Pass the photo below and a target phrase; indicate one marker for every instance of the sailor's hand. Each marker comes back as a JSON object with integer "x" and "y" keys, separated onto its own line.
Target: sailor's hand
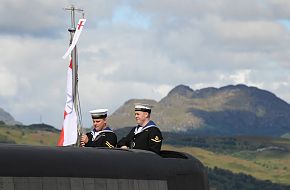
{"x": 124, "y": 147}
{"x": 83, "y": 144}
{"x": 84, "y": 140}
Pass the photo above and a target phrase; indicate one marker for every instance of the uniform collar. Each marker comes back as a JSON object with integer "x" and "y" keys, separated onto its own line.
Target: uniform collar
{"x": 140, "y": 129}
{"x": 105, "y": 129}
{"x": 148, "y": 124}
{"x": 96, "y": 133}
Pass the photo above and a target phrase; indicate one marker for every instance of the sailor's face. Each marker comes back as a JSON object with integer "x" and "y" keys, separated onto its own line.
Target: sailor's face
{"x": 99, "y": 124}
{"x": 140, "y": 117}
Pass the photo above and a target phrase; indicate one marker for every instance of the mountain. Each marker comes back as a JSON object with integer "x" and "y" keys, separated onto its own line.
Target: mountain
{"x": 7, "y": 118}
{"x": 229, "y": 110}
{"x": 35, "y": 134}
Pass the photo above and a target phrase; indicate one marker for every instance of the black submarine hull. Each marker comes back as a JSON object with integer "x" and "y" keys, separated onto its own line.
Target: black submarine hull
{"x": 25, "y": 167}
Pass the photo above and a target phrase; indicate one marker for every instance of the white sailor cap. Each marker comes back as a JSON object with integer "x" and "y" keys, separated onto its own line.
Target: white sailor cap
{"x": 99, "y": 113}
{"x": 143, "y": 107}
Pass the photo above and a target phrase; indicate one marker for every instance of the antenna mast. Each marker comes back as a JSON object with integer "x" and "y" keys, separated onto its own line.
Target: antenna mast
{"x": 74, "y": 58}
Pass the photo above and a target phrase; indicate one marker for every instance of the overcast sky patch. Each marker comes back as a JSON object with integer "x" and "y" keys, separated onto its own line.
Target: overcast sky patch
{"x": 138, "y": 49}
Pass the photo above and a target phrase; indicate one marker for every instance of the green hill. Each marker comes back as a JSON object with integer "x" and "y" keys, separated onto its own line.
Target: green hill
{"x": 264, "y": 158}
{"x": 275, "y": 169}
{"x": 220, "y": 179}
{"x": 37, "y": 134}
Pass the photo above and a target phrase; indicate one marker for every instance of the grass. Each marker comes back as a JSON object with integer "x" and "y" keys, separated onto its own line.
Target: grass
{"x": 28, "y": 136}
{"x": 275, "y": 169}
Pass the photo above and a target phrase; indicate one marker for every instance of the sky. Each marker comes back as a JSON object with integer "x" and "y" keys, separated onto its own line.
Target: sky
{"x": 138, "y": 49}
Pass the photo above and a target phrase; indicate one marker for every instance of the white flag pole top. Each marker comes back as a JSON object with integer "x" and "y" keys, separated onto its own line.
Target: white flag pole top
{"x": 79, "y": 29}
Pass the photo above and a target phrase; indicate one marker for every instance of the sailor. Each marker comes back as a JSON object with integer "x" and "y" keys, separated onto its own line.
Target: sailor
{"x": 101, "y": 135}
{"x": 146, "y": 135}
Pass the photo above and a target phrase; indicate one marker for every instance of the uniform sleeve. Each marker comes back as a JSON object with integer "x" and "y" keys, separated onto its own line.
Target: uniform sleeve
{"x": 110, "y": 140}
{"x": 155, "y": 140}
{"x": 125, "y": 141}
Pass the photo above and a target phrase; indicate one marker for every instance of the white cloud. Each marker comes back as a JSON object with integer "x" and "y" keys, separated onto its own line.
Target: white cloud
{"x": 162, "y": 90}
{"x": 241, "y": 77}
{"x": 138, "y": 49}
{"x": 8, "y": 83}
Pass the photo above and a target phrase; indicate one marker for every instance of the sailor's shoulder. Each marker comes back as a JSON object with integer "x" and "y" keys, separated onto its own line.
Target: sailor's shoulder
{"x": 108, "y": 133}
{"x": 153, "y": 129}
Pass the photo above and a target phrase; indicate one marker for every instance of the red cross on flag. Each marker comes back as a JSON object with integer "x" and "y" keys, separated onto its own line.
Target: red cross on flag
{"x": 77, "y": 34}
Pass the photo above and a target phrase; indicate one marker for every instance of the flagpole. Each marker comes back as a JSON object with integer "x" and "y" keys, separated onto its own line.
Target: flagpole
{"x": 74, "y": 58}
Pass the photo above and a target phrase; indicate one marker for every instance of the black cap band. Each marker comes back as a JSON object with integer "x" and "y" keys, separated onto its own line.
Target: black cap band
{"x": 143, "y": 110}
{"x": 99, "y": 116}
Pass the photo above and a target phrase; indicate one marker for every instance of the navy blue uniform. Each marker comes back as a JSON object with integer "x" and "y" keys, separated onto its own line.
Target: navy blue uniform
{"x": 148, "y": 138}
{"x": 104, "y": 138}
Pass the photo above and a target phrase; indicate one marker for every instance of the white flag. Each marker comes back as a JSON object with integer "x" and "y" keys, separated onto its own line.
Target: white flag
{"x": 69, "y": 132}
{"x": 77, "y": 34}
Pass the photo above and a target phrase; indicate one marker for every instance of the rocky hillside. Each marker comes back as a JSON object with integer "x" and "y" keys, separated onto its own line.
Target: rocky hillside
{"x": 229, "y": 110}
{"x": 7, "y": 118}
